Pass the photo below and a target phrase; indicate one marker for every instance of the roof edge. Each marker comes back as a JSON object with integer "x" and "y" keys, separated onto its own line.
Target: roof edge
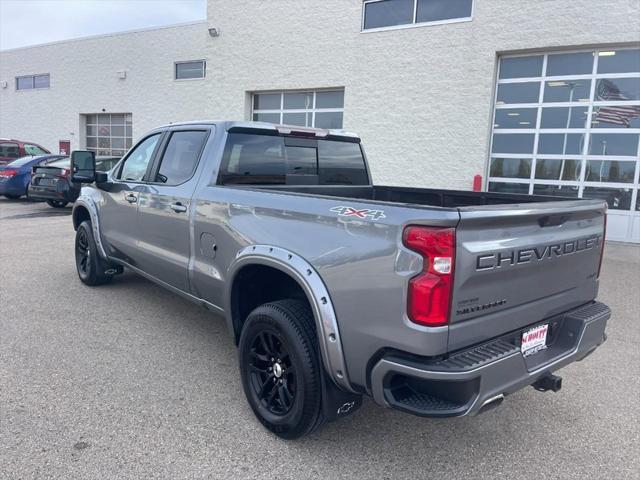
{"x": 106, "y": 35}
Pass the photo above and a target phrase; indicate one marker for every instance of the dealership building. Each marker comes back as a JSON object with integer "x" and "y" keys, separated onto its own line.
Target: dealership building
{"x": 536, "y": 97}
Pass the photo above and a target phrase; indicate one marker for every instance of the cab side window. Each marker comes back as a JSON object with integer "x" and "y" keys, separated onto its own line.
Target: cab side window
{"x": 135, "y": 166}
{"x": 10, "y": 150}
{"x": 180, "y": 158}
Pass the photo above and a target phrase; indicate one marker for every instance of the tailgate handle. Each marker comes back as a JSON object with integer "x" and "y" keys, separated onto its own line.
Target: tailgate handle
{"x": 552, "y": 220}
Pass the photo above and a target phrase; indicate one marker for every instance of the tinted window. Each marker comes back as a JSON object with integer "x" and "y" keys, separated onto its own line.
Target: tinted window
{"x": 387, "y": 13}
{"x": 264, "y": 159}
{"x": 619, "y": 61}
{"x": 511, "y": 167}
{"x": 516, "y": 118}
{"x": 549, "y": 169}
{"x": 570, "y": 64}
{"x": 186, "y": 70}
{"x": 567, "y": 91}
{"x": 181, "y": 157}
{"x": 10, "y": 150}
{"x": 560, "y": 143}
{"x": 135, "y": 166}
{"x": 614, "y": 144}
{"x": 434, "y": 10}
{"x": 341, "y": 163}
{"x": 527, "y": 92}
{"x": 564, "y": 117}
{"x": 25, "y": 160}
{"x": 521, "y": 67}
{"x": 509, "y": 187}
{"x": 513, "y": 143}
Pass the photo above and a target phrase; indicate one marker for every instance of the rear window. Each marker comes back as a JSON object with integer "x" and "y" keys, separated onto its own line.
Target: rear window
{"x": 62, "y": 163}
{"x": 251, "y": 159}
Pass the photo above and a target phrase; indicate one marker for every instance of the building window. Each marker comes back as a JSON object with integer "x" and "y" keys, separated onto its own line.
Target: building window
{"x": 108, "y": 133}
{"x": 319, "y": 109}
{"x": 568, "y": 124}
{"x": 190, "y": 70}
{"x": 30, "y": 82}
{"x": 381, "y": 14}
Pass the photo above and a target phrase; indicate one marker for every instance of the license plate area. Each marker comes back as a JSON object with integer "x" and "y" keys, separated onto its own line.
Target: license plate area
{"x": 534, "y": 340}
{"x": 47, "y": 182}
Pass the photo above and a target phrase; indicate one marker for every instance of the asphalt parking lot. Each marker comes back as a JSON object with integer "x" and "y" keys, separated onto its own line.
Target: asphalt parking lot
{"x": 130, "y": 381}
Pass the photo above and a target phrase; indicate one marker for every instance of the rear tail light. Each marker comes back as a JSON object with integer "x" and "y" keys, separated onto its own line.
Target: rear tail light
{"x": 429, "y": 298}
{"x": 8, "y": 173}
{"x": 65, "y": 173}
{"x": 604, "y": 237}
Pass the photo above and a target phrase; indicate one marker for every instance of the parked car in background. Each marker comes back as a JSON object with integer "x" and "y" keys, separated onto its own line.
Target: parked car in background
{"x": 11, "y": 150}
{"x": 15, "y": 176}
{"x": 52, "y": 182}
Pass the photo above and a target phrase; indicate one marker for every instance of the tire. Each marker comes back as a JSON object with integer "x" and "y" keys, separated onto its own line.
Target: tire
{"x": 57, "y": 203}
{"x": 12, "y": 197}
{"x": 89, "y": 265}
{"x": 286, "y": 396}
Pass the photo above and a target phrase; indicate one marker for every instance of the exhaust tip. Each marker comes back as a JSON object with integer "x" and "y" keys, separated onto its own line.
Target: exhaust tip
{"x": 491, "y": 403}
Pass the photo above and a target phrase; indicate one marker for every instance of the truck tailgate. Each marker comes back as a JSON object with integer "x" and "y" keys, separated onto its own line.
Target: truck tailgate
{"x": 520, "y": 264}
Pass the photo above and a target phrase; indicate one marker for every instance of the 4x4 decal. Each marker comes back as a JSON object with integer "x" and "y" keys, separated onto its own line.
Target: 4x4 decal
{"x": 354, "y": 212}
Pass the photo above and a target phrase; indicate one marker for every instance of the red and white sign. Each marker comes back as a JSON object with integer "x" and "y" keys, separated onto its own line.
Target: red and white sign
{"x": 534, "y": 340}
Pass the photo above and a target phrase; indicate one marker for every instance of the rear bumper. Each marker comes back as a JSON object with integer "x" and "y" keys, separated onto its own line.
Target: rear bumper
{"x": 62, "y": 191}
{"x": 470, "y": 380}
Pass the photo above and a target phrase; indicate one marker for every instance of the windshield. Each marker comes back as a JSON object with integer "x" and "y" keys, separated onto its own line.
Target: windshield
{"x": 62, "y": 163}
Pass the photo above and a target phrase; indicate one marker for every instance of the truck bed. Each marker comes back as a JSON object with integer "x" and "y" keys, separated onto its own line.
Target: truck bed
{"x": 417, "y": 196}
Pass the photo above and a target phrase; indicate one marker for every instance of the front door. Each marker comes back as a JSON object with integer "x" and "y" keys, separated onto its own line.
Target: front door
{"x": 118, "y": 215}
{"x": 164, "y": 208}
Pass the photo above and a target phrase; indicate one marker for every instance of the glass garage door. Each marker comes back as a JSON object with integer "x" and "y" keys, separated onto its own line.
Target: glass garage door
{"x": 569, "y": 124}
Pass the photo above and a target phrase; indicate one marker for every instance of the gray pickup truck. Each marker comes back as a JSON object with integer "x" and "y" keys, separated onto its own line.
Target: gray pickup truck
{"x": 434, "y": 302}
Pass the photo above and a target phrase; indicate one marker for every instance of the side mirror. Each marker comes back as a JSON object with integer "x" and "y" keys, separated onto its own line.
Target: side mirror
{"x": 83, "y": 166}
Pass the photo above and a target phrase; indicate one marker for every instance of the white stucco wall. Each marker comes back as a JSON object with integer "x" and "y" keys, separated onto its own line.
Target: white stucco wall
{"x": 84, "y": 80}
{"x": 421, "y": 98}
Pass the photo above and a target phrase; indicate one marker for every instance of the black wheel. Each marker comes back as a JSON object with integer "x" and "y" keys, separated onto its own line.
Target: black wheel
{"x": 89, "y": 265}
{"x": 57, "y": 203}
{"x": 280, "y": 368}
{"x": 13, "y": 197}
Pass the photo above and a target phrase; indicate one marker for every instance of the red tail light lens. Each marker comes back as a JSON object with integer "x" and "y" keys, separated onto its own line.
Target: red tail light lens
{"x": 65, "y": 173}
{"x": 8, "y": 173}
{"x": 429, "y": 299}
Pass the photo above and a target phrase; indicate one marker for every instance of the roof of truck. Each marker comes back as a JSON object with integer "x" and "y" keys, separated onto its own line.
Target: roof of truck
{"x": 283, "y": 129}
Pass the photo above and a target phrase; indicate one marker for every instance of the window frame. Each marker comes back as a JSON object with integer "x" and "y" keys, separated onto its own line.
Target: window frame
{"x": 159, "y": 155}
{"x": 218, "y": 177}
{"x": 33, "y": 82}
{"x": 145, "y": 178}
{"x": 313, "y": 110}
{"x": 182, "y": 62}
{"x": 414, "y": 24}
{"x": 587, "y": 131}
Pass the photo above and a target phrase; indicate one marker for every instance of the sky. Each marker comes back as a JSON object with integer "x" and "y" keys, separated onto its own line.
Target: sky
{"x": 30, "y": 22}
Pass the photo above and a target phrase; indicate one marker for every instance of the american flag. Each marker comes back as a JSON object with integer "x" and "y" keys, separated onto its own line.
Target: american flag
{"x": 618, "y": 114}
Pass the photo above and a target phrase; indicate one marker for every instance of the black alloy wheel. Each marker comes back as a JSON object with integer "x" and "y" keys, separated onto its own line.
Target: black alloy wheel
{"x": 83, "y": 254}
{"x": 273, "y": 376}
{"x": 91, "y": 268}
{"x": 281, "y": 368}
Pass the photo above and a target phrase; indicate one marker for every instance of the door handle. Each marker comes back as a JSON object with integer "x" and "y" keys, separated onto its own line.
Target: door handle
{"x": 131, "y": 198}
{"x": 178, "y": 207}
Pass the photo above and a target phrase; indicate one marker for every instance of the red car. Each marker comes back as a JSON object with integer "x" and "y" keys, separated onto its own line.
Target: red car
{"x": 12, "y": 149}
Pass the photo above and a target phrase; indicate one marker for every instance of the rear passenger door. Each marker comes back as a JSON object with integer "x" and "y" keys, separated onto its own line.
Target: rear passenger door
{"x": 164, "y": 208}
